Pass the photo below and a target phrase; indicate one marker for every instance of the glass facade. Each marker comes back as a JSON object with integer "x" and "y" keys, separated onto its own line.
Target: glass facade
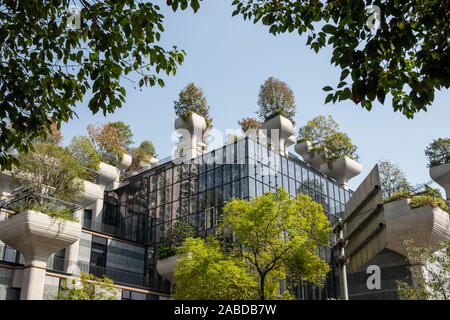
{"x": 195, "y": 192}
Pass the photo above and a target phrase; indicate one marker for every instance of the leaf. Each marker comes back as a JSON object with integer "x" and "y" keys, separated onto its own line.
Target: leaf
{"x": 327, "y": 88}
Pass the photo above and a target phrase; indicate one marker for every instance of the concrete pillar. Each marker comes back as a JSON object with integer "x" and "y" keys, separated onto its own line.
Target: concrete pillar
{"x": 280, "y": 131}
{"x": 33, "y": 278}
{"x": 342, "y": 169}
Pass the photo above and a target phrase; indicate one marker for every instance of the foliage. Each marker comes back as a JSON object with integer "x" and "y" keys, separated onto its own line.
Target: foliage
{"x": 250, "y": 124}
{"x": 85, "y": 154}
{"x": 324, "y": 133}
{"x": 47, "y": 68}
{"x": 420, "y": 201}
{"x": 49, "y": 208}
{"x": 147, "y": 148}
{"x": 52, "y": 135}
{"x": 207, "y": 273}
{"x": 110, "y": 139}
{"x": 438, "y": 152}
{"x": 178, "y": 232}
{"x": 51, "y": 170}
{"x": 87, "y": 287}
{"x": 436, "y": 285}
{"x": 141, "y": 154}
{"x": 165, "y": 252}
{"x": 392, "y": 178}
{"x": 429, "y": 197}
{"x": 407, "y": 56}
{"x": 192, "y": 99}
{"x": 275, "y": 98}
{"x": 278, "y": 237}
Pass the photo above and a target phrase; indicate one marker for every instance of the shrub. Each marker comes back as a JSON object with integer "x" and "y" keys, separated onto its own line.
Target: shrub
{"x": 420, "y": 201}
{"x": 174, "y": 236}
{"x": 165, "y": 252}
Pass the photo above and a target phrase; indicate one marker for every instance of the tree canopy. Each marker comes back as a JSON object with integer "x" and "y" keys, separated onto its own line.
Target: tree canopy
{"x": 275, "y": 98}
{"x": 323, "y": 132}
{"x": 192, "y": 99}
{"x": 397, "y": 48}
{"x": 207, "y": 273}
{"x": 438, "y": 152}
{"x": 392, "y": 179}
{"x": 88, "y": 287}
{"x": 278, "y": 238}
{"x": 46, "y": 67}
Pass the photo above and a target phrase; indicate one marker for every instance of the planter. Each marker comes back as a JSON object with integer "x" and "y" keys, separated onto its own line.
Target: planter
{"x": 92, "y": 192}
{"x": 192, "y": 132}
{"x": 107, "y": 174}
{"x": 441, "y": 175}
{"x": 280, "y": 131}
{"x": 427, "y": 225}
{"x": 166, "y": 267}
{"x": 342, "y": 170}
{"x": 125, "y": 162}
{"x": 314, "y": 158}
{"x": 37, "y": 236}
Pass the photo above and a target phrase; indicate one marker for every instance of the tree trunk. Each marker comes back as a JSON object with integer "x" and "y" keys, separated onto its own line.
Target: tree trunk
{"x": 261, "y": 288}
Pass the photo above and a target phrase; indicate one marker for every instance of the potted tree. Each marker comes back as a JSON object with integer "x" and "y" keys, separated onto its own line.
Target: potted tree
{"x": 41, "y": 226}
{"x": 193, "y": 121}
{"x": 277, "y": 109}
{"x": 173, "y": 237}
{"x": 438, "y": 154}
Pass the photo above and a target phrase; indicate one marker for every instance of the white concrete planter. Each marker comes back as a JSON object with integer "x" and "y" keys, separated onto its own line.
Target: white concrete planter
{"x": 125, "y": 162}
{"x": 280, "y": 131}
{"x": 166, "y": 267}
{"x": 37, "y": 236}
{"x": 92, "y": 192}
{"x": 107, "y": 174}
{"x": 342, "y": 170}
{"x": 427, "y": 225}
{"x": 192, "y": 132}
{"x": 441, "y": 175}
{"x": 314, "y": 158}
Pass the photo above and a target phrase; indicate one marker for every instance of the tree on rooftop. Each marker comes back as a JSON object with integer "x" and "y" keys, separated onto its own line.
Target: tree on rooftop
{"x": 47, "y": 68}
{"x": 438, "y": 152}
{"x": 406, "y": 56}
{"x": 192, "y": 99}
{"x": 323, "y": 132}
{"x": 278, "y": 238}
{"x": 275, "y": 98}
{"x": 85, "y": 154}
{"x": 393, "y": 179}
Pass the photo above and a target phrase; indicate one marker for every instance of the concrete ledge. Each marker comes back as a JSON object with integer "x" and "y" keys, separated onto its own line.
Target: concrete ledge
{"x": 166, "y": 267}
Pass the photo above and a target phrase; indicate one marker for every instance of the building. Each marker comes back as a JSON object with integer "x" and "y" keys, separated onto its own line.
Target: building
{"x": 122, "y": 220}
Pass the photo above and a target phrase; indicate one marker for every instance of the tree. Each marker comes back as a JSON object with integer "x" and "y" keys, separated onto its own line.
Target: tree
{"x": 85, "y": 154}
{"x": 192, "y": 99}
{"x": 88, "y": 287}
{"x": 275, "y": 98}
{"x": 50, "y": 170}
{"x": 47, "y": 67}
{"x": 110, "y": 138}
{"x": 278, "y": 238}
{"x": 387, "y": 47}
{"x": 143, "y": 153}
{"x": 207, "y": 273}
{"x": 438, "y": 152}
{"x": 250, "y": 124}
{"x": 435, "y": 284}
{"x": 392, "y": 179}
{"x": 174, "y": 237}
{"x": 323, "y": 132}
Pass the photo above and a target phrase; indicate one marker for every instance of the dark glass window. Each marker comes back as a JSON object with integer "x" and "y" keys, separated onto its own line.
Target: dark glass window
{"x": 87, "y": 218}
{"x": 251, "y": 188}
{"x": 202, "y": 182}
{"x": 227, "y": 192}
{"x": 218, "y": 178}
{"x": 210, "y": 179}
{"x": 236, "y": 189}
{"x": 226, "y": 173}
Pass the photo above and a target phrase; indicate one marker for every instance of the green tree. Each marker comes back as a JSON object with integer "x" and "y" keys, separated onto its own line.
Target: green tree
{"x": 84, "y": 153}
{"x": 192, "y": 99}
{"x": 174, "y": 237}
{"x": 323, "y": 132}
{"x": 124, "y": 132}
{"x": 50, "y": 170}
{"x": 406, "y": 56}
{"x": 207, "y": 273}
{"x": 435, "y": 285}
{"x": 46, "y": 68}
{"x": 275, "y": 98}
{"x": 278, "y": 238}
{"x": 393, "y": 179}
{"x": 87, "y": 287}
{"x": 250, "y": 124}
{"x": 438, "y": 152}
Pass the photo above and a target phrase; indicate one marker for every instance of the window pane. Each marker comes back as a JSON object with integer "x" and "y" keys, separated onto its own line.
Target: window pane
{"x": 218, "y": 176}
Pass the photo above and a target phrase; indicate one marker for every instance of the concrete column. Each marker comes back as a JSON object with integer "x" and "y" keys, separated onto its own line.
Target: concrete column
{"x": 280, "y": 132}
{"x": 71, "y": 258}
{"x": 33, "y": 279}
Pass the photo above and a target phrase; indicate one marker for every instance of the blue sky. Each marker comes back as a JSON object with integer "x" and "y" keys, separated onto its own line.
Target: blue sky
{"x": 229, "y": 58}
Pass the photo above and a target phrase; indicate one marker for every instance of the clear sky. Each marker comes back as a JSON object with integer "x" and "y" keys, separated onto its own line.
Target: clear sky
{"x": 229, "y": 58}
